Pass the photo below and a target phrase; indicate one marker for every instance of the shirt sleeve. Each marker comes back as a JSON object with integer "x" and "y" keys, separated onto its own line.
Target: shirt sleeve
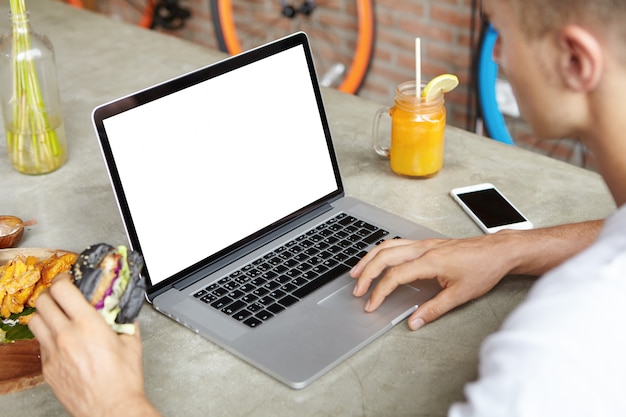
{"x": 561, "y": 352}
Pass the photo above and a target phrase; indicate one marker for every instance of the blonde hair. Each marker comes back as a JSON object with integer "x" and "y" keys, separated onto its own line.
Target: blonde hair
{"x": 540, "y": 16}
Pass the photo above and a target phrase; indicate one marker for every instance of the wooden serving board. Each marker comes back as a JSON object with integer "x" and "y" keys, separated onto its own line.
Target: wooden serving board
{"x": 20, "y": 366}
{"x": 20, "y": 362}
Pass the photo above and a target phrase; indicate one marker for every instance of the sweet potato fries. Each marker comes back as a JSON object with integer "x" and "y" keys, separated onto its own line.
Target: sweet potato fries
{"x": 23, "y": 278}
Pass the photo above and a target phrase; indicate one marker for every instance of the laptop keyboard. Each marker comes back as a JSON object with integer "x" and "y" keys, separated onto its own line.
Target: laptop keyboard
{"x": 268, "y": 285}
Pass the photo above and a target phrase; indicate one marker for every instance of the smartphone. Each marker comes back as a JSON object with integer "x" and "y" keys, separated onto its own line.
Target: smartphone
{"x": 489, "y": 208}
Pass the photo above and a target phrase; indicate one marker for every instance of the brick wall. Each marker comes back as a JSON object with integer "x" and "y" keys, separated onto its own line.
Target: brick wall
{"x": 445, "y": 30}
{"x": 442, "y": 25}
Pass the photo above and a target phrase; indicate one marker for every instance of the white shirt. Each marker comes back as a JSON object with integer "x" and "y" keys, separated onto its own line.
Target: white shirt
{"x": 562, "y": 352}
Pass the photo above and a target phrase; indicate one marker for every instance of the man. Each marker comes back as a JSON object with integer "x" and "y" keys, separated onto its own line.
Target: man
{"x": 561, "y": 353}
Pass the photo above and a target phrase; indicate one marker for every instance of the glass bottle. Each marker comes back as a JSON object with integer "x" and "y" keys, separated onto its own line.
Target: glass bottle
{"x": 31, "y": 105}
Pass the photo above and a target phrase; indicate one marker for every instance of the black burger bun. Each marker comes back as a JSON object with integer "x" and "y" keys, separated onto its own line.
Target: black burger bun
{"x": 133, "y": 297}
{"x": 86, "y": 270}
{"x": 98, "y": 270}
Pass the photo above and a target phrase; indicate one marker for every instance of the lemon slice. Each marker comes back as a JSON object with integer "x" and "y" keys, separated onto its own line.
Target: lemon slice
{"x": 441, "y": 83}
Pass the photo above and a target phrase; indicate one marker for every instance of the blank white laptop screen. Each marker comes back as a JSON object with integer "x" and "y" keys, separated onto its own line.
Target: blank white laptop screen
{"x": 218, "y": 161}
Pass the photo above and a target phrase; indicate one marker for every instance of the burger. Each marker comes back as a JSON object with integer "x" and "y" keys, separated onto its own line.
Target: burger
{"x": 110, "y": 279}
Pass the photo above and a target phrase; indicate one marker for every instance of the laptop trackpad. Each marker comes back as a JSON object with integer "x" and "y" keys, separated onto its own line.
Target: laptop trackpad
{"x": 397, "y": 306}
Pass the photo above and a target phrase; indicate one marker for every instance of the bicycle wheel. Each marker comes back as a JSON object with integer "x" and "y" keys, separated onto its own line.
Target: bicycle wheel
{"x": 341, "y": 33}
{"x": 486, "y": 79}
{"x": 149, "y": 14}
{"x": 141, "y": 12}
{"x": 76, "y": 3}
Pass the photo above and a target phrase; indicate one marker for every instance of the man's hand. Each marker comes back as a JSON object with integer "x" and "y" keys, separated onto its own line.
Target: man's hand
{"x": 92, "y": 370}
{"x": 465, "y": 268}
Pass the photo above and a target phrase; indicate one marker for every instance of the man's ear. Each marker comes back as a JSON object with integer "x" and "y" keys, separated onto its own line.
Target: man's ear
{"x": 581, "y": 61}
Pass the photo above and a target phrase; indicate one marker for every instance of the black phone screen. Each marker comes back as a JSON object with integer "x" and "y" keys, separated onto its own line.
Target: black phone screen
{"x": 491, "y": 208}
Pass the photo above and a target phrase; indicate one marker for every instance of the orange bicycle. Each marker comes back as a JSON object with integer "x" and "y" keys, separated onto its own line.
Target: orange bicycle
{"x": 151, "y": 14}
{"x": 341, "y": 32}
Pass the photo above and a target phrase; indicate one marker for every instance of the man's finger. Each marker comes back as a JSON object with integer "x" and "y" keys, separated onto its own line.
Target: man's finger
{"x": 62, "y": 276}
{"x": 445, "y": 301}
{"x": 387, "y": 258}
{"x": 70, "y": 299}
{"x": 38, "y": 327}
{"x": 49, "y": 311}
{"x": 356, "y": 271}
{"x": 395, "y": 276}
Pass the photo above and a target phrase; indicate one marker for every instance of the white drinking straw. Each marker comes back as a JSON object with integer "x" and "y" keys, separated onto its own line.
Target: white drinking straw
{"x": 418, "y": 68}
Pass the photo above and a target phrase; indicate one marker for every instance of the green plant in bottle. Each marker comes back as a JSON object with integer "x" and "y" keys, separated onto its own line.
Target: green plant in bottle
{"x": 30, "y": 98}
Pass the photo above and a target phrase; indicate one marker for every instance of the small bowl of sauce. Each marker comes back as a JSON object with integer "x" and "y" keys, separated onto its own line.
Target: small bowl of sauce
{"x": 11, "y": 231}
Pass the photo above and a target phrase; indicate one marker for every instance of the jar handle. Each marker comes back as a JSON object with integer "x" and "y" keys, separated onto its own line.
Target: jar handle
{"x": 380, "y": 148}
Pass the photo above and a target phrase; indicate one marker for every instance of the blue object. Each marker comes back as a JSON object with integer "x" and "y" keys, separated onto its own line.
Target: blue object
{"x": 487, "y": 75}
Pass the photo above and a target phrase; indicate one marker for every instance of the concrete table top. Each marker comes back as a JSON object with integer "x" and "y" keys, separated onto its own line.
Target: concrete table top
{"x": 403, "y": 373}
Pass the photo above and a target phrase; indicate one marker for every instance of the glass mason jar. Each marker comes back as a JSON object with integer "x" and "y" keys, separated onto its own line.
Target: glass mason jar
{"x": 417, "y": 133}
{"x": 31, "y": 105}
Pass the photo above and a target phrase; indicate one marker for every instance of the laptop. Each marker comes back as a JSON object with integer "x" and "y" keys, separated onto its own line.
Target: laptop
{"x": 228, "y": 185}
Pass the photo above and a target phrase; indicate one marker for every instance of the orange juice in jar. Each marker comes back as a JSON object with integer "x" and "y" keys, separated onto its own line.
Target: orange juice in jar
{"x": 417, "y": 133}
